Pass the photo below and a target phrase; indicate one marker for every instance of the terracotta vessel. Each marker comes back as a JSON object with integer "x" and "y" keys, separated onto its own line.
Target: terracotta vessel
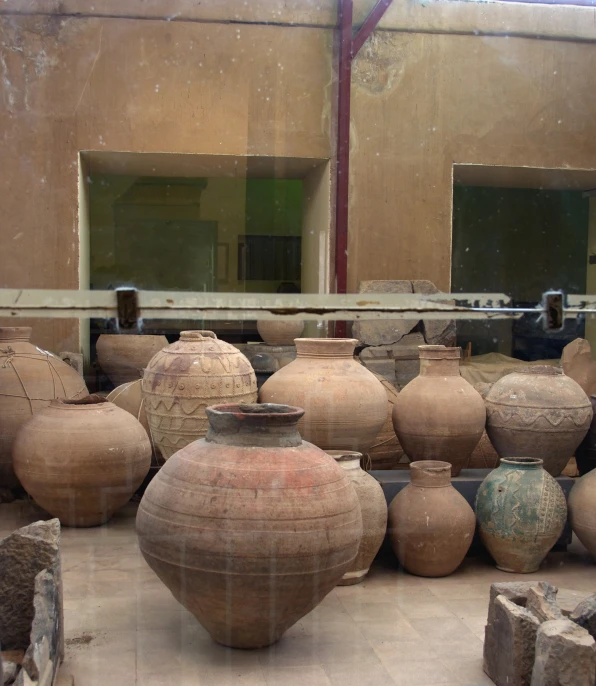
{"x": 431, "y": 526}
{"x": 521, "y": 512}
{"x": 373, "y": 508}
{"x": 129, "y": 397}
{"x": 182, "y": 380}
{"x": 585, "y": 455}
{"x": 29, "y": 379}
{"x": 81, "y": 460}
{"x": 123, "y": 357}
{"x": 282, "y": 332}
{"x": 345, "y": 406}
{"x": 439, "y": 415}
{"x": 484, "y": 456}
{"x": 386, "y": 452}
{"x": 250, "y": 527}
{"x": 538, "y": 412}
{"x": 582, "y": 510}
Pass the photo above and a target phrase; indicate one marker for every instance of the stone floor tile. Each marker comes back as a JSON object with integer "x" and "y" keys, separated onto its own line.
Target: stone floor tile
{"x": 442, "y": 629}
{"x": 476, "y": 625}
{"x": 419, "y": 672}
{"x": 368, "y": 674}
{"x": 468, "y": 672}
{"x": 158, "y": 649}
{"x": 388, "y": 630}
{"x": 403, "y": 651}
{"x": 363, "y": 610}
{"x": 313, "y": 675}
{"x": 422, "y": 608}
{"x": 476, "y": 607}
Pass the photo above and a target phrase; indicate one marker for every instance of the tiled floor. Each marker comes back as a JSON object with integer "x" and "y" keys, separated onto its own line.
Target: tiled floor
{"x": 123, "y": 628}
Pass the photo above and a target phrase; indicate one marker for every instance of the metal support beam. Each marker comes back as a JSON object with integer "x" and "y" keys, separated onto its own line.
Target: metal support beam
{"x": 370, "y": 24}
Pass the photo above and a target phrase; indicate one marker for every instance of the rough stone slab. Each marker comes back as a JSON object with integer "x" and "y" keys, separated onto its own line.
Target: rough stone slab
{"x": 565, "y": 655}
{"x": 585, "y": 614}
{"x": 405, "y": 371}
{"x": 8, "y": 671}
{"x": 383, "y": 332}
{"x": 541, "y": 602}
{"x": 436, "y": 331}
{"x": 23, "y": 554}
{"x": 509, "y": 641}
{"x": 405, "y": 349}
{"x": 384, "y": 368}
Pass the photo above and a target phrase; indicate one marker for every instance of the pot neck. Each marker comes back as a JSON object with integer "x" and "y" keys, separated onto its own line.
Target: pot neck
{"x": 439, "y": 360}
{"x": 194, "y": 336}
{"x": 263, "y": 425}
{"x": 326, "y": 347}
{"x": 524, "y": 463}
{"x": 430, "y": 474}
{"x": 346, "y": 459}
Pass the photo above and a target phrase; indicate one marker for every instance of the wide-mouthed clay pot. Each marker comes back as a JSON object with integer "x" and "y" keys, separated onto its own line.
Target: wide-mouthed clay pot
{"x": 81, "y": 460}
{"x": 280, "y": 332}
{"x": 538, "y": 412}
{"x": 582, "y": 510}
{"x": 345, "y": 405}
{"x": 250, "y": 527}
{"x": 29, "y": 379}
{"x": 123, "y": 357}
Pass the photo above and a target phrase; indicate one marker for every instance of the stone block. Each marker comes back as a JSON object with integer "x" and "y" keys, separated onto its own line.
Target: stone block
{"x": 405, "y": 349}
{"x": 74, "y": 360}
{"x": 509, "y": 641}
{"x": 405, "y": 371}
{"x": 585, "y": 614}
{"x": 436, "y": 331}
{"x": 382, "y": 367}
{"x": 542, "y": 603}
{"x": 565, "y": 655}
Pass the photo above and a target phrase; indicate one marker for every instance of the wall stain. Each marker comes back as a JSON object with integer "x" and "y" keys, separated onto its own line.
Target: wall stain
{"x": 379, "y": 66}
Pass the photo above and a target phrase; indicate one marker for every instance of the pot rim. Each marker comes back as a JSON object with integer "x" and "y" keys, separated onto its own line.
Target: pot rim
{"x": 87, "y": 402}
{"x": 528, "y": 462}
{"x": 540, "y": 369}
{"x": 197, "y": 335}
{"x": 257, "y": 412}
{"x": 344, "y": 455}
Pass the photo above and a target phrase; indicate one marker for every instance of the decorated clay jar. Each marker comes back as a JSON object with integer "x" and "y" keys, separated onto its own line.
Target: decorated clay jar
{"x": 538, "y": 412}
{"x": 345, "y": 405}
{"x": 521, "y": 512}
{"x": 81, "y": 460}
{"x": 182, "y": 380}
{"x": 582, "y": 510}
{"x": 29, "y": 379}
{"x": 250, "y": 527}
{"x": 280, "y": 332}
{"x": 431, "y": 526}
{"x": 123, "y": 357}
{"x": 373, "y": 508}
{"x": 438, "y": 415}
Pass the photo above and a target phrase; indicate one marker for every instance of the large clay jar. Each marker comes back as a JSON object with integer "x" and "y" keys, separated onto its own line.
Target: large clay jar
{"x": 281, "y": 332}
{"x": 345, "y": 405}
{"x": 129, "y": 397}
{"x": 585, "y": 455}
{"x": 182, "y": 380}
{"x": 582, "y": 510}
{"x": 386, "y": 452}
{"x": 81, "y": 460}
{"x": 431, "y": 526}
{"x": 439, "y": 415}
{"x": 250, "y": 527}
{"x": 373, "y": 508}
{"x": 123, "y": 357}
{"x": 538, "y": 412}
{"x": 521, "y": 512}
{"x": 29, "y": 379}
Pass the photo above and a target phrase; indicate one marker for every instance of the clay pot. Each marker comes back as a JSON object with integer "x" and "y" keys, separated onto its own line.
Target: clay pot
{"x": 282, "y": 332}
{"x": 386, "y": 452}
{"x": 182, "y": 380}
{"x": 521, "y": 512}
{"x": 439, "y": 415}
{"x": 373, "y": 508}
{"x": 431, "y": 526}
{"x": 582, "y": 510}
{"x": 585, "y": 455}
{"x": 29, "y": 379}
{"x": 123, "y": 357}
{"x": 345, "y": 406}
{"x": 81, "y": 460}
{"x": 538, "y": 412}
{"x": 251, "y": 527}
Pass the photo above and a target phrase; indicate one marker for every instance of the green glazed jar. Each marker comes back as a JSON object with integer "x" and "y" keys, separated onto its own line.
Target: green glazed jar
{"x": 521, "y": 512}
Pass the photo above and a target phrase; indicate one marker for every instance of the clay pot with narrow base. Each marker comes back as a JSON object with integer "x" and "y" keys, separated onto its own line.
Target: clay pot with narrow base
{"x": 123, "y": 357}
{"x": 345, "y": 405}
{"x": 30, "y": 378}
{"x": 582, "y": 510}
{"x": 282, "y": 332}
{"x": 250, "y": 527}
{"x": 373, "y": 508}
{"x": 81, "y": 460}
{"x": 521, "y": 512}
{"x": 538, "y": 412}
{"x": 439, "y": 415}
{"x": 431, "y": 526}
{"x": 182, "y": 380}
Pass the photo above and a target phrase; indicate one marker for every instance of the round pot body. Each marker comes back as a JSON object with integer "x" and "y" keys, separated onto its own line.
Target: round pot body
{"x": 280, "y": 332}
{"x": 123, "y": 357}
{"x": 373, "y": 508}
{"x": 386, "y": 452}
{"x": 250, "y": 527}
{"x": 185, "y": 378}
{"x": 582, "y": 510}
{"x": 521, "y": 512}
{"x": 129, "y": 397}
{"x": 538, "y": 412}
{"x": 585, "y": 455}
{"x": 345, "y": 405}
{"x": 29, "y": 379}
{"x": 81, "y": 460}
{"x": 438, "y": 415}
{"x": 431, "y": 526}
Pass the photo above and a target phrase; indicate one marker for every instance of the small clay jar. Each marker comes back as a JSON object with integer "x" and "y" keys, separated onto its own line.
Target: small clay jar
{"x": 538, "y": 412}
{"x": 123, "y": 357}
{"x": 431, "y": 526}
{"x": 582, "y": 510}
{"x": 521, "y": 512}
{"x": 280, "y": 332}
{"x": 439, "y": 415}
{"x": 373, "y": 508}
{"x": 81, "y": 460}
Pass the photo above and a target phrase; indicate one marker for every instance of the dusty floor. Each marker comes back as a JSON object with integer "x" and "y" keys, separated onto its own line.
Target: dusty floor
{"x": 123, "y": 628}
